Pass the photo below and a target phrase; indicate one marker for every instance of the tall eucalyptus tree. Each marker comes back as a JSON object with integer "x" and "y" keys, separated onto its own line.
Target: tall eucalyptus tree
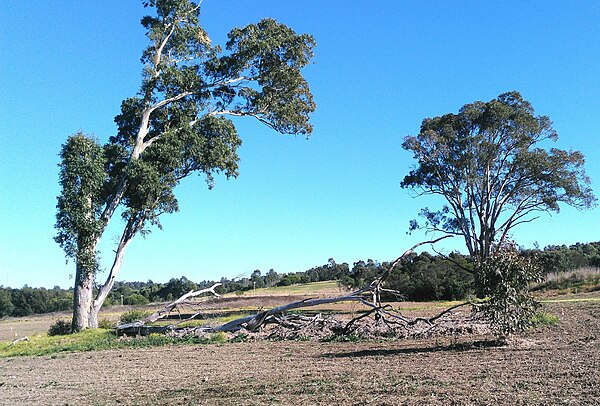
{"x": 178, "y": 124}
{"x": 489, "y": 164}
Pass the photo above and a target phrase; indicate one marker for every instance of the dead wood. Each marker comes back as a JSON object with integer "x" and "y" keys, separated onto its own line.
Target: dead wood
{"x": 369, "y": 296}
{"x": 20, "y": 339}
{"x": 165, "y": 311}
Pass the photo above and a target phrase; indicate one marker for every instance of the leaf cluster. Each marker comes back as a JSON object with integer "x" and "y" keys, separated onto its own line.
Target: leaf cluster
{"x": 178, "y": 123}
{"x": 504, "y": 278}
{"x": 82, "y": 179}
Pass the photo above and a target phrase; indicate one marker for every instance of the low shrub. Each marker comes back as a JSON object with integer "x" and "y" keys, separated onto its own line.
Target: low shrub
{"x": 106, "y": 324}
{"x": 544, "y": 319}
{"x": 504, "y": 278}
{"x": 136, "y": 300}
{"x": 133, "y": 315}
{"x": 60, "y": 328}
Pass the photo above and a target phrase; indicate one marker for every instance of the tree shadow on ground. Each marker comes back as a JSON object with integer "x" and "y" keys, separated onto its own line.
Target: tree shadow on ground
{"x": 454, "y": 347}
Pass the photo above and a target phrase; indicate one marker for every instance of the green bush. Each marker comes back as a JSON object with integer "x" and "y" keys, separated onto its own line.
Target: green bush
{"x": 106, "y": 324}
{"x": 133, "y": 315}
{"x": 60, "y": 328}
{"x": 504, "y": 278}
{"x": 136, "y": 300}
{"x": 544, "y": 319}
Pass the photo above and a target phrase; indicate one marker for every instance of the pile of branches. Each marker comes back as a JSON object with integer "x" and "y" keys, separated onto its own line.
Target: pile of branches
{"x": 280, "y": 323}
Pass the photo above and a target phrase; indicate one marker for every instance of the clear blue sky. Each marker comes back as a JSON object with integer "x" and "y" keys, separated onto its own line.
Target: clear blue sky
{"x": 380, "y": 68}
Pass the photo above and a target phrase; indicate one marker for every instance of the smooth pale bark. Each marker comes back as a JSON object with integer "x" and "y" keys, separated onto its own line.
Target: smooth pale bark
{"x": 82, "y": 298}
{"x": 85, "y": 306}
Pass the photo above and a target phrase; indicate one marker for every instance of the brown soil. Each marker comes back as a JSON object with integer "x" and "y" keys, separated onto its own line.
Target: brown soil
{"x": 551, "y": 365}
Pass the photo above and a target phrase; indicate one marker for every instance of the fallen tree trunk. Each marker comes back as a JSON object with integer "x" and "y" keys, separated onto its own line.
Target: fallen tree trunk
{"x": 370, "y": 296}
{"x": 254, "y": 322}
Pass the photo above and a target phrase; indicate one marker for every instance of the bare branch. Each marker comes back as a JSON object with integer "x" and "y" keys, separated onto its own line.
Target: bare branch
{"x": 170, "y": 307}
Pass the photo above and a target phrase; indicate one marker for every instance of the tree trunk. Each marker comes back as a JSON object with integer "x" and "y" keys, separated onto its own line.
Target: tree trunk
{"x": 82, "y": 297}
{"x": 130, "y": 230}
{"x": 93, "y": 317}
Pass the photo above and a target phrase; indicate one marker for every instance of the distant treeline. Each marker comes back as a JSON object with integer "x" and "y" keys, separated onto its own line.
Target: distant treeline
{"x": 419, "y": 277}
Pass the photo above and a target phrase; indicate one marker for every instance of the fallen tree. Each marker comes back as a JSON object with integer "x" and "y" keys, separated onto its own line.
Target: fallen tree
{"x": 369, "y": 296}
{"x": 506, "y": 309}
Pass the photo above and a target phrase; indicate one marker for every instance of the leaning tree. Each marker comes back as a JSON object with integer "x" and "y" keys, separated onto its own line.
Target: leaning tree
{"x": 178, "y": 124}
{"x": 489, "y": 164}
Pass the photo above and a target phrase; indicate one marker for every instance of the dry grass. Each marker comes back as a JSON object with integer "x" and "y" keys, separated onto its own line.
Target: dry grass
{"x": 580, "y": 273}
{"x": 315, "y": 289}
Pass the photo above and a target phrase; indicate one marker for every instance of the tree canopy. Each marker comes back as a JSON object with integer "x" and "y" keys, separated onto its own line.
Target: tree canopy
{"x": 489, "y": 164}
{"x": 178, "y": 124}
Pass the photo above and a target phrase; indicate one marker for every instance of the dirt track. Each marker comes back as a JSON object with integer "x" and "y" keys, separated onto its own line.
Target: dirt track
{"x": 555, "y": 365}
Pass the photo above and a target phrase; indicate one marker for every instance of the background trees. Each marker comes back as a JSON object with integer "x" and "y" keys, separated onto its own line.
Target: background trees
{"x": 489, "y": 164}
{"x": 419, "y": 277}
{"x": 176, "y": 125}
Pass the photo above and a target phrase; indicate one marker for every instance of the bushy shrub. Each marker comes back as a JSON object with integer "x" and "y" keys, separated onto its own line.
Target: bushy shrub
{"x": 133, "y": 315}
{"x": 106, "y": 324}
{"x": 503, "y": 279}
{"x": 60, "y": 328}
{"x": 544, "y": 319}
{"x": 136, "y": 300}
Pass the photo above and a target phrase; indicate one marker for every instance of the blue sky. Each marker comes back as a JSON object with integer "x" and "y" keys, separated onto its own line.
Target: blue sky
{"x": 380, "y": 68}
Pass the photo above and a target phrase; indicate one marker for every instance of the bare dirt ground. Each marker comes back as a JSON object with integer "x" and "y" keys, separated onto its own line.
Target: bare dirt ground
{"x": 552, "y": 365}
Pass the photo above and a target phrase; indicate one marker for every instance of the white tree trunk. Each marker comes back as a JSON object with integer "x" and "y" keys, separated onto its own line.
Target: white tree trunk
{"x": 82, "y": 298}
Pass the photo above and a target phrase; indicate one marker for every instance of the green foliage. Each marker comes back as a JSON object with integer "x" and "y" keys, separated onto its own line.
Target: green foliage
{"x": 541, "y": 319}
{"x": 504, "y": 278}
{"x": 133, "y": 315}
{"x": 136, "y": 300}
{"x": 488, "y": 163}
{"x": 176, "y": 288}
{"x": 560, "y": 259}
{"x": 272, "y": 54}
{"x": 176, "y": 126}
{"x": 82, "y": 179}
{"x": 218, "y": 338}
{"x": 240, "y": 338}
{"x": 106, "y": 324}
{"x": 27, "y": 300}
{"x": 60, "y": 328}
{"x": 6, "y": 305}
{"x": 421, "y": 277}
{"x": 96, "y": 340}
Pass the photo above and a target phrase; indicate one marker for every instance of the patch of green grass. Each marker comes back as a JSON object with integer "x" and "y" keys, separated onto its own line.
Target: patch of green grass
{"x": 106, "y": 324}
{"x": 544, "y": 319}
{"x": 96, "y": 340}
